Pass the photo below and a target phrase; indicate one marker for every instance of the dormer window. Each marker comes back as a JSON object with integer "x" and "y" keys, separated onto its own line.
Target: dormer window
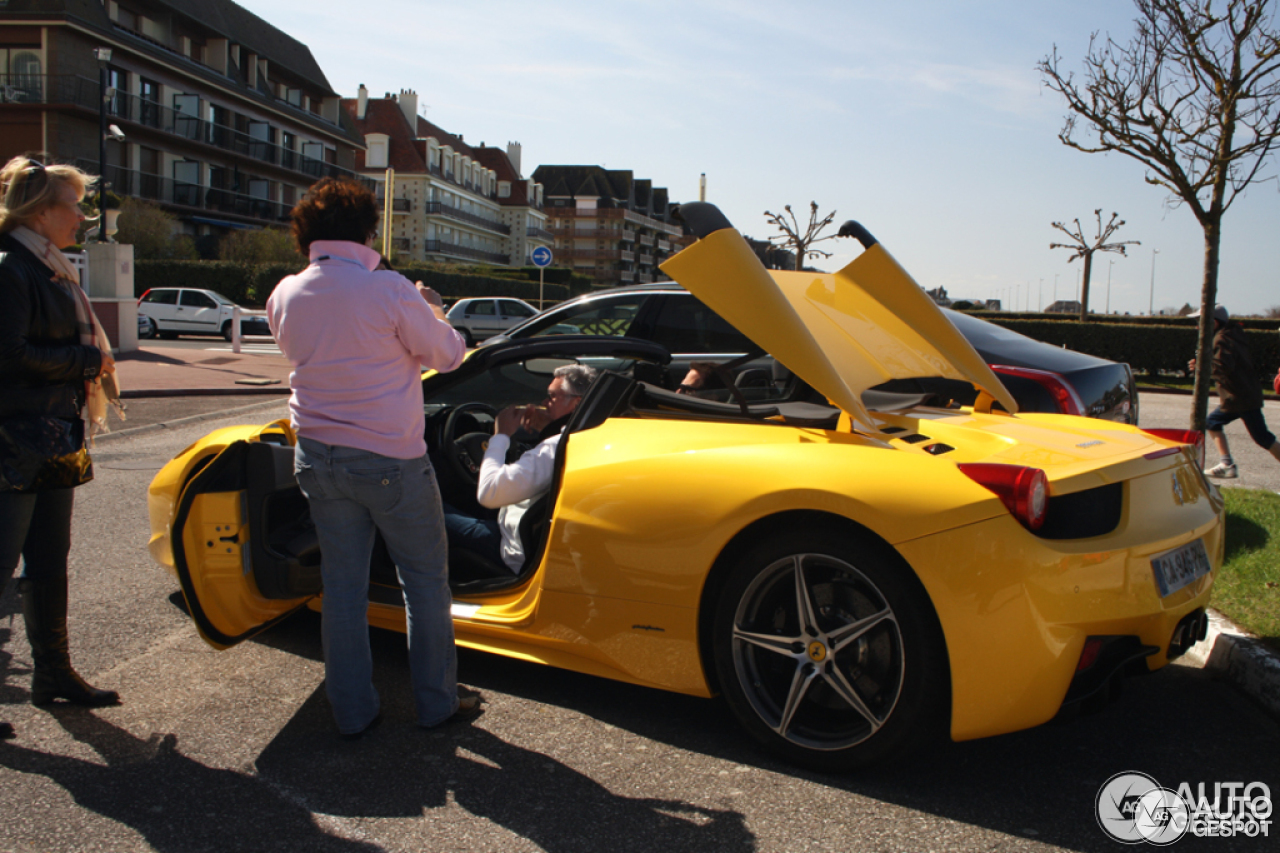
{"x": 375, "y": 155}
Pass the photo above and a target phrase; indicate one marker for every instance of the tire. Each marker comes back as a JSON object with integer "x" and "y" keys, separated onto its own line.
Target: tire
{"x": 226, "y": 330}
{"x": 467, "y": 338}
{"x": 861, "y": 677}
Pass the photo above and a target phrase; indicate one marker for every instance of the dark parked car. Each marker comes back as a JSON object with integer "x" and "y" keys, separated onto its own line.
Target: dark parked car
{"x": 1041, "y": 377}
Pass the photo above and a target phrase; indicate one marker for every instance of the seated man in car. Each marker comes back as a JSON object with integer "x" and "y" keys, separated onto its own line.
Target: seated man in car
{"x": 512, "y": 488}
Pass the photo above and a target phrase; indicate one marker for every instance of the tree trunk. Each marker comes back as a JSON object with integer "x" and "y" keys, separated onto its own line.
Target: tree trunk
{"x": 1084, "y": 285}
{"x": 1208, "y": 300}
{"x": 799, "y": 258}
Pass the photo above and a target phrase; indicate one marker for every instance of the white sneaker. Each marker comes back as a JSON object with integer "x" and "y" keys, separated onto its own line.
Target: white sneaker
{"x": 1223, "y": 471}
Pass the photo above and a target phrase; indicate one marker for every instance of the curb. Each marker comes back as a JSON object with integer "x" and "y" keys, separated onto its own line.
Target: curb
{"x": 239, "y": 391}
{"x": 1232, "y": 654}
{"x": 181, "y": 422}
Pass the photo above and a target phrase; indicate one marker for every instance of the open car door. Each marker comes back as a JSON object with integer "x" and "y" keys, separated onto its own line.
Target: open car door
{"x": 236, "y": 580}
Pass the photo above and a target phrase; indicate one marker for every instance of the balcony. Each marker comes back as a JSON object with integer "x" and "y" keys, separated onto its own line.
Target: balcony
{"x": 587, "y": 233}
{"x": 439, "y": 208}
{"x": 647, "y": 260}
{"x": 539, "y": 234}
{"x": 647, "y": 240}
{"x": 448, "y": 175}
{"x": 194, "y": 197}
{"x": 664, "y": 246}
{"x": 593, "y": 254}
{"x": 440, "y": 247}
{"x": 623, "y": 276}
{"x": 132, "y": 110}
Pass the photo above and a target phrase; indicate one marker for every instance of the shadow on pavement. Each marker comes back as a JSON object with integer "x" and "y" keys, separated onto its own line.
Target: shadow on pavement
{"x": 175, "y": 803}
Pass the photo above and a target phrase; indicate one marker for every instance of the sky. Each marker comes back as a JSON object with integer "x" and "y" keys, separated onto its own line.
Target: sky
{"x": 926, "y": 121}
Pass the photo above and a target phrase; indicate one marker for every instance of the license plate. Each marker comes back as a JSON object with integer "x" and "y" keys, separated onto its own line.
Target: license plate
{"x": 1179, "y": 567}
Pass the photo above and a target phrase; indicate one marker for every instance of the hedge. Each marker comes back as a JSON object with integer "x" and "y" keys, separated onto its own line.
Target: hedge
{"x": 251, "y": 285}
{"x": 1146, "y": 347}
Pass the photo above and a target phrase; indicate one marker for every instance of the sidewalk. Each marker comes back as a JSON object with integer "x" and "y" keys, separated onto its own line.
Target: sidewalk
{"x": 170, "y": 372}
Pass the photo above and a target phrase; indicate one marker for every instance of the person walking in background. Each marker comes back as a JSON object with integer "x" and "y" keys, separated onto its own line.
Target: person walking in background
{"x": 53, "y": 355}
{"x": 1239, "y": 393}
{"x": 358, "y": 338}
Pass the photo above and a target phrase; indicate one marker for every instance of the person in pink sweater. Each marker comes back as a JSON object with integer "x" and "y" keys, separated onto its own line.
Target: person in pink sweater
{"x": 358, "y": 338}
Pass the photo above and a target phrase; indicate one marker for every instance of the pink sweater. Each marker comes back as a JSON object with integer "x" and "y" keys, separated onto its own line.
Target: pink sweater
{"x": 358, "y": 340}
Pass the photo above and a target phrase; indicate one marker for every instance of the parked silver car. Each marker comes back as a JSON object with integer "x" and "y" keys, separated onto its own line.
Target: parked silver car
{"x": 482, "y": 318}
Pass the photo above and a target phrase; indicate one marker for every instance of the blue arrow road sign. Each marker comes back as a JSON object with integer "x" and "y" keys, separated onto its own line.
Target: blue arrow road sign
{"x": 541, "y": 257}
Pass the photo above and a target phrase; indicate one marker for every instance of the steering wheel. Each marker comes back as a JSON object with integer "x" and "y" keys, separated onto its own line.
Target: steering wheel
{"x": 466, "y": 452}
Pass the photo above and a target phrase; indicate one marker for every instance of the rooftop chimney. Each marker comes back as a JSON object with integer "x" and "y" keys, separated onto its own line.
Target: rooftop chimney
{"x": 513, "y": 154}
{"x": 362, "y": 102}
{"x": 409, "y": 106}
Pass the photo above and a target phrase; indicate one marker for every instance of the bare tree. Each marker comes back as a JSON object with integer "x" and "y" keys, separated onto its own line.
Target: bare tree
{"x": 1194, "y": 97}
{"x": 1084, "y": 249}
{"x": 801, "y": 242}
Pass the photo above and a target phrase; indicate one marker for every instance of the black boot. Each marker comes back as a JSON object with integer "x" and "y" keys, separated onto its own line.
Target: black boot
{"x": 44, "y": 607}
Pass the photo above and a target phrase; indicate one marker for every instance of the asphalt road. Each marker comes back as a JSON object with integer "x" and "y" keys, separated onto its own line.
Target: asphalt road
{"x": 234, "y": 750}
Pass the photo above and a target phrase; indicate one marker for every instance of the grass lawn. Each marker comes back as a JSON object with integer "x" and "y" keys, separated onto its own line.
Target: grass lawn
{"x": 1247, "y": 590}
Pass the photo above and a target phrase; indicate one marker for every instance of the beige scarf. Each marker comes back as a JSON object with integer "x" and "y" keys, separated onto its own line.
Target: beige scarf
{"x": 103, "y": 390}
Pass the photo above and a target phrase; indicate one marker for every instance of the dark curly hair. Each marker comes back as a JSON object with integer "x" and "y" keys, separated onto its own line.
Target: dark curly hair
{"x": 335, "y": 209}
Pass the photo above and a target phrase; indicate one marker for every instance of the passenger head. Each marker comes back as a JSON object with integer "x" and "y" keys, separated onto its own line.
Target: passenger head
{"x": 45, "y": 199}
{"x": 570, "y": 383}
{"x": 335, "y": 209}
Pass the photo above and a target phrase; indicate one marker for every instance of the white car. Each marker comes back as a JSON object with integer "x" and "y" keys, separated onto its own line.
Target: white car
{"x": 478, "y": 319}
{"x": 173, "y": 311}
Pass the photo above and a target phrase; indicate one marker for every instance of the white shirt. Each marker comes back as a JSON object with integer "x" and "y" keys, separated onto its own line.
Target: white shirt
{"x": 514, "y": 488}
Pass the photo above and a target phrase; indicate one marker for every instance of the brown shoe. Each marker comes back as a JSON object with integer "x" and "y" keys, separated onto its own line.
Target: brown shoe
{"x": 469, "y": 707}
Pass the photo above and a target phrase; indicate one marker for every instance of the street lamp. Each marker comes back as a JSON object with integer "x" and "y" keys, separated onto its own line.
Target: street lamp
{"x": 103, "y": 55}
{"x": 1110, "y": 264}
{"x": 1151, "y": 305}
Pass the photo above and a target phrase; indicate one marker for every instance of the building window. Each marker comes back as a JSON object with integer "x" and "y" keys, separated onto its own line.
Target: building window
{"x": 149, "y": 97}
{"x": 375, "y": 156}
{"x": 20, "y": 78}
{"x": 117, "y": 92}
{"x": 293, "y": 96}
{"x": 187, "y": 121}
{"x": 186, "y": 182}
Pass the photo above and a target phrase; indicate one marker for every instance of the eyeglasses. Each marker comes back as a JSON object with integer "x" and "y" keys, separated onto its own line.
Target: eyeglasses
{"x": 35, "y": 179}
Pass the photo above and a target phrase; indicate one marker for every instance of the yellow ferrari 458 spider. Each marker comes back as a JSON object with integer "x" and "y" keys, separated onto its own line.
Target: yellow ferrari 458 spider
{"x": 855, "y": 570}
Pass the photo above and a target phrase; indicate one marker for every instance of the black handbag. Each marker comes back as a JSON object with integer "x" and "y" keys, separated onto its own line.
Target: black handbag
{"x": 38, "y": 453}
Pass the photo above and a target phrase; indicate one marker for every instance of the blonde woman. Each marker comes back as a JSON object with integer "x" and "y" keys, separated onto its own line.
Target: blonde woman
{"x": 52, "y": 356}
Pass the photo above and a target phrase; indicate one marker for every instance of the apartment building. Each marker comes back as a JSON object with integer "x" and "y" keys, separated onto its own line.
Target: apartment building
{"x": 608, "y": 224}
{"x": 451, "y": 201}
{"x": 225, "y": 120}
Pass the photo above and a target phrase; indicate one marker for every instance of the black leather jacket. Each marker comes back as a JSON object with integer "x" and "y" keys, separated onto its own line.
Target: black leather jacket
{"x": 43, "y": 365}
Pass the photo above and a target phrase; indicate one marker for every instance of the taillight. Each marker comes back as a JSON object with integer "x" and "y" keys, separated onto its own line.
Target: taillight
{"x": 1089, "y": 654}
{"x": 1193, "y": 437}
{"x": 1066, "y": 398}
{"x": 1025, "y": 491}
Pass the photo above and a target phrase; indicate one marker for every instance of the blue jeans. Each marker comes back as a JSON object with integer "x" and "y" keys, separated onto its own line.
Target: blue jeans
{"x": 481, "y": 536}
{"x": 1254, "y": 422}
{"x": 352, "y": 494}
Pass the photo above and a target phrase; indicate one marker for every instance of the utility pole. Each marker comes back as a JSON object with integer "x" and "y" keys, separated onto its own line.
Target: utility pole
{"x": 1151, "y": 306}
